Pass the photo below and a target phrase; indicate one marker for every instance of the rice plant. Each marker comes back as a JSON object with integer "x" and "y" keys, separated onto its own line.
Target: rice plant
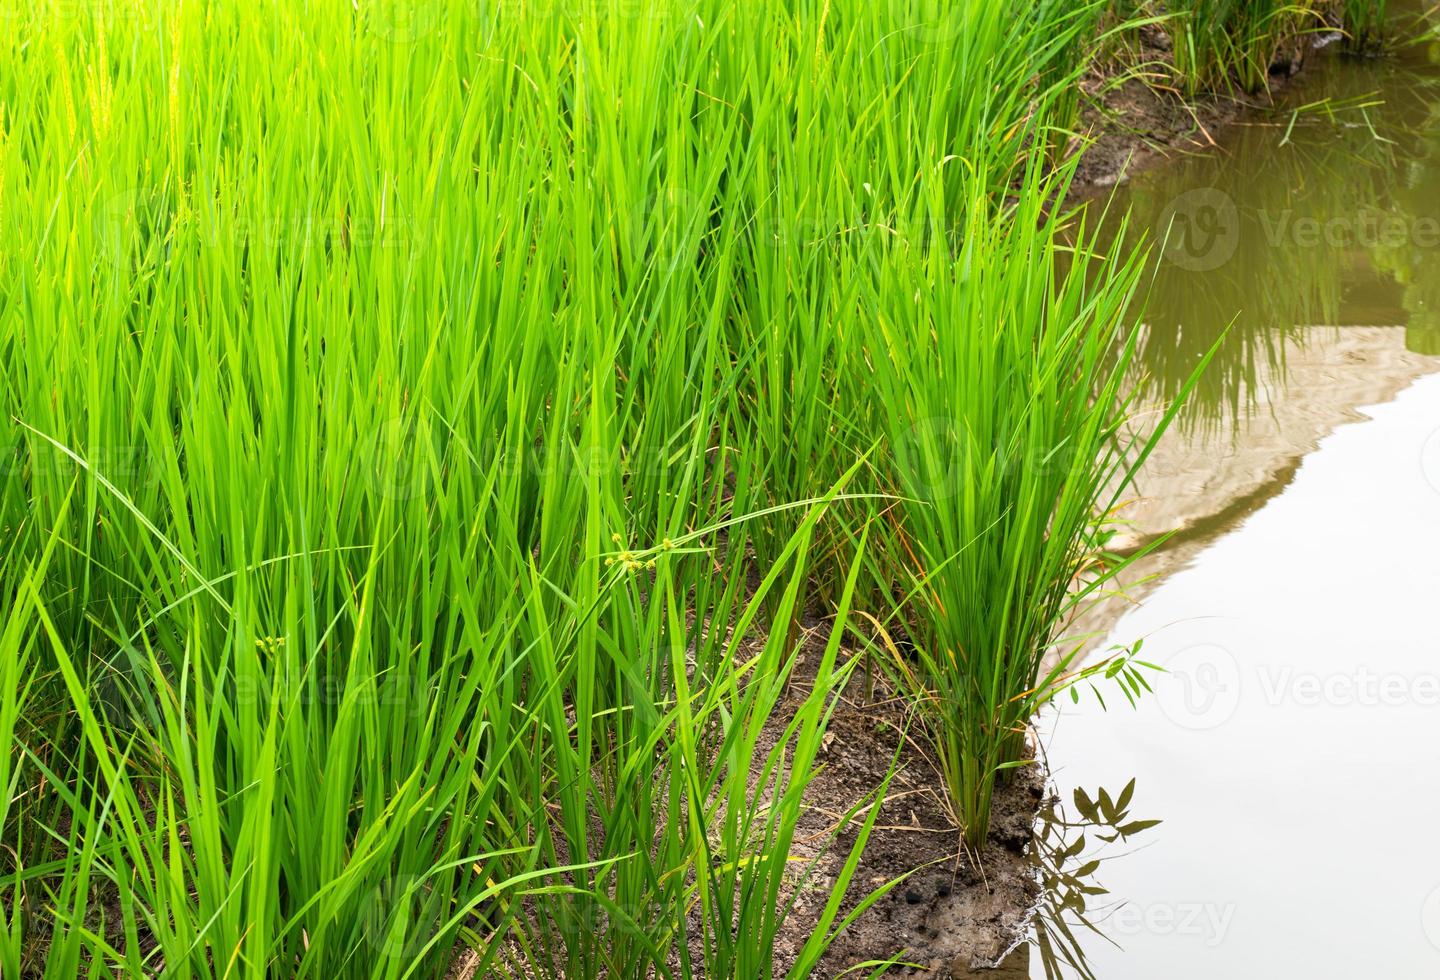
{"x": 334, "y": 665}
{"x": 1006, "y": 398}
{"x": 1222, "y": 43}
{"x": 1365, "y": 23}
{"x": 424, "y": 423}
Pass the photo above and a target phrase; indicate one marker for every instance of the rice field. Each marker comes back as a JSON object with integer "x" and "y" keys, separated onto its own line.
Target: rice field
{"x": 428, "y": 424}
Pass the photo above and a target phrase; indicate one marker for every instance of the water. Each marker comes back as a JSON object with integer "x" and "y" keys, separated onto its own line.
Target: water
{"x": 1293, "y": 749}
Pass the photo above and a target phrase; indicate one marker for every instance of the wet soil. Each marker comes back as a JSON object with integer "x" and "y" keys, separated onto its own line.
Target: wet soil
{"x": 956, "y": 910}
{"x": 1135, "y": 124}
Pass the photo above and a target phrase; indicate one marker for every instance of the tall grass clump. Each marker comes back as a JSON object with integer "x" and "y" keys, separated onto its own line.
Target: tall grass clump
{"x": 1365, "y": 23}
{"x": 425, "y": 425}
{"x": 376, "y": 591}
{"x": 836, "y": 201}
{"x": 1007, "y": 399}
{"x": 1224, "y": 44}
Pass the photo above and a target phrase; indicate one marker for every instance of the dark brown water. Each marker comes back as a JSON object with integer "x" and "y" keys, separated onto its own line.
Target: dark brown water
{"x": 1293, "y": 748}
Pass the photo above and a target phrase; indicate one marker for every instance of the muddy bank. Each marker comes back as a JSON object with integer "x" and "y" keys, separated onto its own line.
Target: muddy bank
{"x": 956, "y": 910}
{"x": 1138, "y": 123}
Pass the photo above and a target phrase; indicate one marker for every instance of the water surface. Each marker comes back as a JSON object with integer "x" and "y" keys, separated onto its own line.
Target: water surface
{"x": 1293, "y": 749}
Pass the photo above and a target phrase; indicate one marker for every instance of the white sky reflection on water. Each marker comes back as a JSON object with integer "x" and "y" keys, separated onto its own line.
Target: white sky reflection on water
{"x": 1294, "y": 750}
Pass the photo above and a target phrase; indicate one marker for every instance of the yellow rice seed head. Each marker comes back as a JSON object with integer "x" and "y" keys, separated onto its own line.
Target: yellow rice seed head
{"x": 650, "y": 563}
{"x": 667, "y": 544}
{"x": 609, "y": 561}
{"x": 615, "y": 538}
